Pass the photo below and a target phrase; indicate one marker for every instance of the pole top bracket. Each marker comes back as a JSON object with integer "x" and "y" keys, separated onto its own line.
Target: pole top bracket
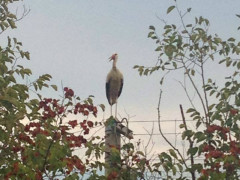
{"x": 114, "y": 122}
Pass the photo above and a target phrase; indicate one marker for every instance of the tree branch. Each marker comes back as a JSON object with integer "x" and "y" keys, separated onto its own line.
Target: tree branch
{"x": 164, "y": 137}
{"x": 189, "y": 140}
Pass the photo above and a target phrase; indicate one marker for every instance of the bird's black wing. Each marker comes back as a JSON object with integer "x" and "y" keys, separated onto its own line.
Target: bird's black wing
{"x": 107, "y": 90}
{"x": 120, "y": 90}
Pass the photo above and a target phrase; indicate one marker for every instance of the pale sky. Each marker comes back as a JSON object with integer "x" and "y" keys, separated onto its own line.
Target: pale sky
{"x": 73, "y": 39}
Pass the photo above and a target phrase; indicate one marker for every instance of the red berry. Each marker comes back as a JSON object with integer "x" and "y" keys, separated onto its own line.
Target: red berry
{"x": 233, "y": 111}
{"x": 90, "y": 124}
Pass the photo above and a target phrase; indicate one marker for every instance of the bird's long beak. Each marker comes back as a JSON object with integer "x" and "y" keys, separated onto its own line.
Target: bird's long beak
{"x": 113, "y": 57}
{"x": 110, "y": 59}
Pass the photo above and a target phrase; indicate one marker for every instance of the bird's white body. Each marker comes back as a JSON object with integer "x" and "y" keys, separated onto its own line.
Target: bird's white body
{"x": 114, "y": 83}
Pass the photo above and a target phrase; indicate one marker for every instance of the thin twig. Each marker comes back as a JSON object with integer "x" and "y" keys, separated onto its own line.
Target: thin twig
{"x": 190, "y": 142}
{"x": 197, "y": 91}
{"x": 205, "y": 93}
{"x": 186, "y": 92}
{"x": 150, "y": 138}
{"x": 162, "y": 134}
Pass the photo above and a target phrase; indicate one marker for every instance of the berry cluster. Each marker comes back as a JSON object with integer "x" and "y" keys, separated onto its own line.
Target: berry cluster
{"x": 15, "y": 169}
{"x": 25, "y": 138}
{"x": 75, "y": 141}
{"x": 222, "y": 131}
{"x": 112, "y": 175}
{"x": 85, "y": 109}
{"x": 51, "y": 108}
{"x": 86, "y": 125}
{"x": 48, "y": 125}
{"x": 235, "y": 148}
{"x": 74, "y": 162}
{"x": 34, "y": 129}
{"x": 68, "y": 92}
{"x": 214, "y": 155}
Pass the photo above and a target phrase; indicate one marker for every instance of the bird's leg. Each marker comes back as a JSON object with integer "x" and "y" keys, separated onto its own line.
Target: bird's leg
{"x": 116, "y": 111}
{"x": 111, "y": 110}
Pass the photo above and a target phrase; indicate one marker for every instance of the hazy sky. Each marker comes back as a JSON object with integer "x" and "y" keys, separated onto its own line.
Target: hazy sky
{"x": 72, "y": 40}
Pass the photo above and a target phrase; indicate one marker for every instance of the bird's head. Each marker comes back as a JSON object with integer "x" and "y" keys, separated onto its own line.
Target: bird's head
{"x": 113, "y": 57}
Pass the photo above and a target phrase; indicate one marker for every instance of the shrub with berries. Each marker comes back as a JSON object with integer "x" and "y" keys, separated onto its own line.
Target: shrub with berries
{"x": 46, "y": 143}
{"x": 39, "y": 137}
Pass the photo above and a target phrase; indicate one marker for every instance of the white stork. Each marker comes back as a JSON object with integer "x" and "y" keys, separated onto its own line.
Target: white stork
{"x": 114, "y": 83}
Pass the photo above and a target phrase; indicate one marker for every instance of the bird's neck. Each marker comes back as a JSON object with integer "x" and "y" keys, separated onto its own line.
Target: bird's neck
{"x": 114, "y": 64}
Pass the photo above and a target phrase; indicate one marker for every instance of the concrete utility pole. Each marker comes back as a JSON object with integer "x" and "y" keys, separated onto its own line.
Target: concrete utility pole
{"x": 113, "y": 131}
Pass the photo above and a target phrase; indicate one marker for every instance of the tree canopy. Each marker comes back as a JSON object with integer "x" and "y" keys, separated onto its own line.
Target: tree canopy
{"x": 39, "y": 135}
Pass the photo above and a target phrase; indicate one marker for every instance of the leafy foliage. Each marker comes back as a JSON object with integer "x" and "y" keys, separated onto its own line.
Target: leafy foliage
{"x": 215, "y": 136}
{"x": 38, "y": 136}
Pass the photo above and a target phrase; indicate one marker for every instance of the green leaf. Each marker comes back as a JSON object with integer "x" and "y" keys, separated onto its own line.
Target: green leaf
{"x": 12, "y": 79}
{"x": 180, "y": 167}
{"x": 182, "y": 126}
{"x": 172, "y": 153}
{"x": 152, "y": 28}
{"x": 200, "y": 136}
{"x": 194, "y": 114}
{"x": 227, "y": 84}
{"x": 135, "y": 67}
{"x": 238, "y": 65}
{"x": 188, "y": 134}
{"x": 169, "y": 50}
{"x": 165, "y": 156}
{"x": 207, "y": 22}
{"x": 212, "y": 92}
{"x": 150, "y": 34}
{"x": 12, "y": 23}
{"x": 140, "y": 152}
{"x": 154, "y": 37}
{"x": 102, "y": 107}
{"x": 170, "y": 9}
{"x": 88, "y": 152}
{"x": 167, "y": 31}
{"x": 27, "y": 55}
{"x": 161, "y": 81}
{"x": 146, "y": 72}
{"x": 228, "y": 62}
{"x": 217, "y": 40}
{"x": 54, "y": 87}
{"x": 140, "y": 70}
{"x": 27, "y": 71}
{"x": 198, "y": 167}
{"x": 192, "y": 151}
{"x": 35, "y": 86}
{"x": 174, "y": 170}
{"x": 191, "y": 110}
{"x": 231, "y": 39}
{"x": 189, "y": 9}
{"x": 198, "y": 123}
{"x": 207, "y": 88}
{"x": 158, "y": 48}
{"x": 220, "y": 62}
{"x": 90, "y": 101}
{"x": 192, "y": 72}
{"x": 174, "y": 64}
{"x": 12, "y": 16}
{"x": 167, "y": 27}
